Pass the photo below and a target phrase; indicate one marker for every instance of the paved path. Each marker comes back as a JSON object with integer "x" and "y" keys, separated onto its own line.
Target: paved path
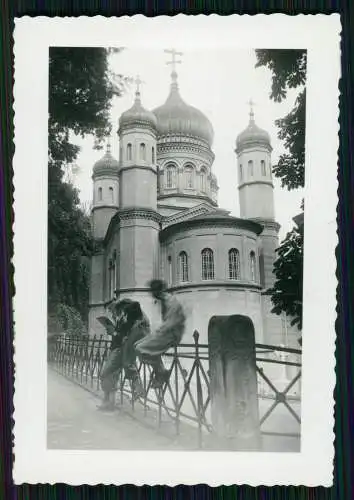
{"x": 74, "y": 422}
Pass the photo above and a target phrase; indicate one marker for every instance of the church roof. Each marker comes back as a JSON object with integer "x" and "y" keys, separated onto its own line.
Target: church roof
{"x": 176, "y": 117}
{"x": 217, "y": 217}
{"x": 107, "y": 164}
{"x": 137, "y": 115}
{"x": 252, "y": 135}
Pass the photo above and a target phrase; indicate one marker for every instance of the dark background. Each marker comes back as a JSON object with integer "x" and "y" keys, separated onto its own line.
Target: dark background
{"x": 344, "y": 393}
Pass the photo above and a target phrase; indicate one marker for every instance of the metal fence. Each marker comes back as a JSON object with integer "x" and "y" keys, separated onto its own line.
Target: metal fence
{"x": 185, "y": 398}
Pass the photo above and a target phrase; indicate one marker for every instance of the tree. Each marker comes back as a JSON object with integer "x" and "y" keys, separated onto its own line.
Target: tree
{"x": 81, "y": 88}
{"x": 288, "y": 68}
{"x": 288, "y": 268}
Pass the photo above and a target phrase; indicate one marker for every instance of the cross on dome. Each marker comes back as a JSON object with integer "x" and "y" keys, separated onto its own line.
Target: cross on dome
{"x": 174, "y": 61}
{"x": 251, "y": 103}
{"x": 138, "y": 82}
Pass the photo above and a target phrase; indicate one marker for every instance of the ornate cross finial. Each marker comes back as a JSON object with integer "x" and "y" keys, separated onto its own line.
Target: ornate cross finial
{"x": 108, "y": 147}
{"x": 251, "y": 104}
{"x": 138, "y": 82}
{"x": 173, "y": 53}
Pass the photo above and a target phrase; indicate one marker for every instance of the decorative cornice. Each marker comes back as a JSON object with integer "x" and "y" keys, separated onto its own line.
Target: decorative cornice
{"x": 139, "y": 213}
{"x": 267, "y": 223}
{"x": 105, "y": 172}
{"x": 211, "y": 222}
{"x": 178, "y": 194}
{"x": 129, "y": 127}
{"x": 185, "y": 147}
{"x": 127, "y": 213}
{"x": 97, "y": 207}
{"x": 236, "y": 284}
{"x": 253, "y": 144}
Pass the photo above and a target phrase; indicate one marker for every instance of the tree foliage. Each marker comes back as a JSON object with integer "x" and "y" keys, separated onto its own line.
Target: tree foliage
{"x": 288, "y": 268}
{"x": 288, "y": 69}
{"x": 81, "y": 88}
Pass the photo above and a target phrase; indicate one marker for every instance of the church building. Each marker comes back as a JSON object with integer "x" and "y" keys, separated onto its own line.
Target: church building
{"x": 155, "y": 214}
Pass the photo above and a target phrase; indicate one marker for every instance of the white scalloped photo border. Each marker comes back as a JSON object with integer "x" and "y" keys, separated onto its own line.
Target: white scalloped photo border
{"x": 34, "y": 463}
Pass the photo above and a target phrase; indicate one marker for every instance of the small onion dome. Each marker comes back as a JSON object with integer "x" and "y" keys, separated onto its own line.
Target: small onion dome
{"x": 107, "y": 164}
{"x": 252, "y": 135}
{"x": 175, "y": 117}
{"x": 137, "y": 116}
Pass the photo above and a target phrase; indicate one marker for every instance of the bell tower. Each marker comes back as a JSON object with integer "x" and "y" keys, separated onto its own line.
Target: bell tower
{"x": 255, "y": 184}
{"x": 105, "y": 193}
{"x": 138, "y": 219}
{"x": 256, "y": 198}
{"x": 105, "y": 206}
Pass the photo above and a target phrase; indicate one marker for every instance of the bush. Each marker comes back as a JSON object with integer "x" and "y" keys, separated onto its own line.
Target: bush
{"x": 70, "y": 320}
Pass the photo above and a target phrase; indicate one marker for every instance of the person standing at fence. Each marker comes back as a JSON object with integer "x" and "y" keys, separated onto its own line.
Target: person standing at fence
{"x": 110, "y": 372}
{"x": 131, "y": 326}
{"x": 169, "y": 334}
{"x": 136, "y": 326}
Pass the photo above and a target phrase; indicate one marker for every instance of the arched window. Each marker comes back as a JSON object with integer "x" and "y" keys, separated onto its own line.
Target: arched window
{"x": 171, "y": 176}
{"x": 234, "y": 264}
{"x": 99, "y": 194}
{"x": 263, "y": 167}
{"x": 203, "y": 180}
{"x": 241, "y": 173}
{"x": 111, "y": 199}
{"x": 129, "y": 152}
{"x": 183, "y": 267}
{"x": 142, "y": 151}
{"x": 253, "y": 266}
{"x": 153, "y": 155}
{"x": 208, "y": 264}
{"x": 188, "y": 177}
{"x": 250, "y": 168}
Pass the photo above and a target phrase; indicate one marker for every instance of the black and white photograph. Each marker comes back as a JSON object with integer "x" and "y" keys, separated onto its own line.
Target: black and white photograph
{"x": 177, "y": 185}
{"x": 172, "y": 292}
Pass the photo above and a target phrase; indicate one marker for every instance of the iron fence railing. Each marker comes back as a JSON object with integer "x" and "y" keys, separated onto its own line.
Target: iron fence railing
{"x": 185, "y": 398}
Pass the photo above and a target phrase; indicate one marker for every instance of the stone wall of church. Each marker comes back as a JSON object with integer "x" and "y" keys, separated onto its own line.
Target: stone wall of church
{"x": 203, "y": 299}
{"x": 220, "y": 240}
{"x": 202, "y": 303}
{"x": 101, "y": 217}
{"x": 138, "y": 187}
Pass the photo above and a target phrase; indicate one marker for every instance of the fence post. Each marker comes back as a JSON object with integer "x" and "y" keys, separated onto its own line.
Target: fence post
{"x": 233, "y": 382}
{"x": 199, "y": 387}
{"x": 175, "y": 355}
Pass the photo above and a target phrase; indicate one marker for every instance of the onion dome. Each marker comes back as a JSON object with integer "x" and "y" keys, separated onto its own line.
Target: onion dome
{"x": 107, "y": 164}
{"x": 253, "y": 135}
{"x": 175, "y": 117}
{"x": 137, "y": 115}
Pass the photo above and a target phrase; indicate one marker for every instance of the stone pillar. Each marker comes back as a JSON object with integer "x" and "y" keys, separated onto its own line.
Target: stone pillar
{"x": 233, "y": 382}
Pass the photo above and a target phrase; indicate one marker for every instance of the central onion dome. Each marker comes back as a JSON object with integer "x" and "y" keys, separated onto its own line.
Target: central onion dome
{"x": 175, "y": 117}
{"x": 137, "y": 115}
{"x": 252, "y": 135}
{"x": 107, "y": 164}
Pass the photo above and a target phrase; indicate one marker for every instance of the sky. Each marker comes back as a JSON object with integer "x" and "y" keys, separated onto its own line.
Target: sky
{"x": 220, "y": 83}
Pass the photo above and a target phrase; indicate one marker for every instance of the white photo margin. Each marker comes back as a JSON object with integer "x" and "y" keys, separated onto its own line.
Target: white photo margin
{"x": 34, "y": 463}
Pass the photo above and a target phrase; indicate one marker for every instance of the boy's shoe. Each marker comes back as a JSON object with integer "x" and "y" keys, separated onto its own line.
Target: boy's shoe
{"x": 106, "y": 406}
